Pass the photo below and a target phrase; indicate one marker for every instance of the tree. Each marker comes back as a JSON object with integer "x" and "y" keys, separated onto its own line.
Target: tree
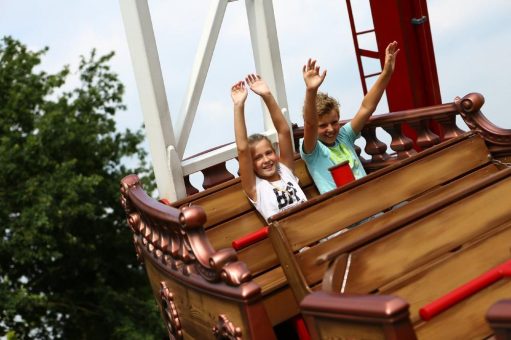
{"x": 67, "y": 264}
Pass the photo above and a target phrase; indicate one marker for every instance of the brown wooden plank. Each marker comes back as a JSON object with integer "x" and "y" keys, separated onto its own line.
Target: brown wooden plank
{"x": 224, "y": 204}
{"x": 278, "y": 299}
{"x": 307, "y": 260}
{"x": 302, "y": 173}
{"x": 280, "y": 305}
{"x": 259, "y": 257}
{"x": 339, "y": 329}
{"x": 465, "y": 320}
{"x": 222, "y": 235}
{"x": 271, "y": 280}
{"x": 433, "y": 281}
{"x": 322, "y": 219}
{"x": 390, "y": 257}
{"x": 208, "y": 192}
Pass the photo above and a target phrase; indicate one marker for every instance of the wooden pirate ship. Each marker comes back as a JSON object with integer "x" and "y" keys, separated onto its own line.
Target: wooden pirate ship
{"x": 423, "y": 250}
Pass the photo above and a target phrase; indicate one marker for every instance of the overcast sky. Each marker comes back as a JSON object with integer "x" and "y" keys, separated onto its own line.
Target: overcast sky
{"x": 472, "y": 41}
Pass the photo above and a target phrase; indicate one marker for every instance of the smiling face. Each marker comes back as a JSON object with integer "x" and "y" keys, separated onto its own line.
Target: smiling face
{"x": 328, "y": 127}
{"x": 264, "y": 160}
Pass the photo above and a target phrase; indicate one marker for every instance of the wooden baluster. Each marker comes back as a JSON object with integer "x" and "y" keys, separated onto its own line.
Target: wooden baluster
{"x": 365, "y": 162}
{"x": 190, "y": 189}
{"x": 374, "y": 147}
{"x": 216, "y": 174}
{"x": 401, "y": 145}
{"x": 448, "y": 123}
{"x": 425, "y": 137}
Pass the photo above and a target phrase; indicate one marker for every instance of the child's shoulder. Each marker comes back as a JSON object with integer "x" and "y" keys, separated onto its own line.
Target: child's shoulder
{"x": 284, "y": 169}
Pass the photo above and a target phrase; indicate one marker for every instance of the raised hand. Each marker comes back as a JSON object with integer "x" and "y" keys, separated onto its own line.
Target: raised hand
{"x": 257, "y": 85}
{"x": 311, "y": 75}
{"x": 390, "y": 56}
{"x": 239, "y": 93}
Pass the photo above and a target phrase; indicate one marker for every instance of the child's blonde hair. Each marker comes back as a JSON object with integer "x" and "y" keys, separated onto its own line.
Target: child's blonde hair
{"x": 257, "y": 137}
{"x": 325, "y": 104}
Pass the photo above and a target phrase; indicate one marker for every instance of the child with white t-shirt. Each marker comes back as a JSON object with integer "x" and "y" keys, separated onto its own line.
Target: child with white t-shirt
{"x": 267, "y": 178}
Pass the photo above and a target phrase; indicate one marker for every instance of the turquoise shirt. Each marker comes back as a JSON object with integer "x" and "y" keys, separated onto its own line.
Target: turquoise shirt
{"x": 319, "y": 160}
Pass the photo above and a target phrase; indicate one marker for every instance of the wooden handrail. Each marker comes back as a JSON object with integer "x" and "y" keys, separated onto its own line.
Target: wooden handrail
{"x": 382, "y": 154}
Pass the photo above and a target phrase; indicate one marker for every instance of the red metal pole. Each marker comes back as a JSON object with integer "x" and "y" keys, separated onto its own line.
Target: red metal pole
{"x": 459, "y": 294}
{"x": 251, "y": 238}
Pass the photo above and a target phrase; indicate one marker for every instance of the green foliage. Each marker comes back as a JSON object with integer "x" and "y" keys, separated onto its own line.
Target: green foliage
{"x": 67, "y": 263}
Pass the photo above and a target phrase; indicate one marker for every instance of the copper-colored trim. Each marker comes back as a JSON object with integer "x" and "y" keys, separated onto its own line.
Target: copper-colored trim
{"x": 225, "y": 329}
{"x": 175, "y": 241}
{"x": 170, "y": 314}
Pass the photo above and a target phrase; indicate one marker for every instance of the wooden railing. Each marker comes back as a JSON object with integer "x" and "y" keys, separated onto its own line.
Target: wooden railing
{"x": 383, "y": 153}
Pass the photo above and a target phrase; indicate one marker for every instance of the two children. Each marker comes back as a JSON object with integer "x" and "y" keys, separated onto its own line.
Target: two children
{"x": 267, "y": 178}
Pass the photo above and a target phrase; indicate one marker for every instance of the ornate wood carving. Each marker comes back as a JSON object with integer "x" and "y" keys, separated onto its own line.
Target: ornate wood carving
{"x": 374, "y": 147}
{"x": 469, "y": 108}
{"x": 400, "y": 144}
{"x": 170, "y": 314}
{"x": 176, "y": 239}
{"x": 449, "y": 127}
{"x": 425, "y": 137}
{"x": 226, "y": 330}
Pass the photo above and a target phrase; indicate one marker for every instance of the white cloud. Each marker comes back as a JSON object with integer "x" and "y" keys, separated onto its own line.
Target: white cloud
{"x": 463, "y": 16}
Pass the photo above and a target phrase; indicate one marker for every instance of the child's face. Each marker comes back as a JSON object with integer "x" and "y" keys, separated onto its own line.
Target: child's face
{"x": 328, "y": 127}
{"x": 264, "y": 160}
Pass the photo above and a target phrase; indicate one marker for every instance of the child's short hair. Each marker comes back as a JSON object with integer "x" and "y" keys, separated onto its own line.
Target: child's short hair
{"x": 257, "y": 137}
{"x": 325, "y": 104}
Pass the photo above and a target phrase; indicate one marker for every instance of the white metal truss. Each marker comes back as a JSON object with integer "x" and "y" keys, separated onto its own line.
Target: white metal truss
{"x": 167, "y": 145}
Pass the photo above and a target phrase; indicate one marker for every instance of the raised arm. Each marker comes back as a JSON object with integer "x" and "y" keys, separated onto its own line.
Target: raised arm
{"x": 260, "y": 87}
{"x": 372, "y": 98}
{"x": 246, "y": 170}
{"x": 313, "y": 79}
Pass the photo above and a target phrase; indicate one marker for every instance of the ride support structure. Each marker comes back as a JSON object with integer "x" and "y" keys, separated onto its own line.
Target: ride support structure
{"x": 414, "y": 82}
{"x": 167, "y": 142}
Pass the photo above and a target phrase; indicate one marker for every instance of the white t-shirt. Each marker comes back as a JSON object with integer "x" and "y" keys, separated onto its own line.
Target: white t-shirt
{"x": 273, "y": 197}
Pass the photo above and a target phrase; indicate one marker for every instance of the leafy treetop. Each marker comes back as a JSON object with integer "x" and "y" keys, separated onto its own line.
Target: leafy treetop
{"x": 67, "y": 264}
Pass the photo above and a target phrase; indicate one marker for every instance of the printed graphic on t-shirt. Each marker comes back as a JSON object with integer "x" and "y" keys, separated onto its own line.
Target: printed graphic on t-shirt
{"x": 286, "y": 197}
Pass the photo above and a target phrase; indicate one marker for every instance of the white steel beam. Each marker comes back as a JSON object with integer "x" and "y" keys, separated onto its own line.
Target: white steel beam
{"x": 265, "y": 46}
{"x": 199, "y": 72}
{"x": 151, "y": 90}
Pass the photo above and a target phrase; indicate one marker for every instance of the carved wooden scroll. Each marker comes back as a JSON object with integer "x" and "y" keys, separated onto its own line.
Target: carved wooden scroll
{"x": 175, "y": 238}
{"x": 498, "y": 139}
